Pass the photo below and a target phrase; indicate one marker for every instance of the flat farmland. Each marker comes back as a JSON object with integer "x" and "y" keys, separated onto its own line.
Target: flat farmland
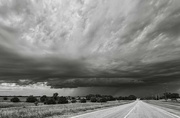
{"x": 26, "y": 110}
{"x": 8, "y": 104}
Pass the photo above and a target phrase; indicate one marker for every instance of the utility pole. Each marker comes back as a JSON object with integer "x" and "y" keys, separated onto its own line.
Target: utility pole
{"x": 165, "y": 94}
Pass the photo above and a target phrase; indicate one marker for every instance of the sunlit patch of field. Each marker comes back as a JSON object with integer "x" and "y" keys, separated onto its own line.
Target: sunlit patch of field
{"x": 170, "y": 106}
{"x": 60, "y": 110}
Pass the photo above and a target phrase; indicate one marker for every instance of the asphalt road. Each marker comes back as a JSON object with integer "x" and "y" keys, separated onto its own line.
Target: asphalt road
{"x": 137, "y": 109}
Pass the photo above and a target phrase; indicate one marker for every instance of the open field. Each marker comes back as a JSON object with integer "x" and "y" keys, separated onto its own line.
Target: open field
{"x": 60, "y": 110}
{"x": 170, "y": 106}
{"x": 11, "y": 104}
{"x": 7, "y": 103}
{"x": 22, "y": 99}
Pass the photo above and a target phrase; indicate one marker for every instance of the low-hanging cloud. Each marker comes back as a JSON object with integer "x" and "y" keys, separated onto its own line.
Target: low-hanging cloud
{"x": 87, "y": 43}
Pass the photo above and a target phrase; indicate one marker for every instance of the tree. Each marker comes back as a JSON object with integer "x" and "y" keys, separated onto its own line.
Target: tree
{"x": 43, "y": 98}
{"x": 174, "y": 96}
{"x": 93, "y": 99}
{"x": 88, "y": 97}
{"x": 62, "y": 100}
{"x": 36, "y": 103}
{"x": 73, "y": 101}
{"x": 55, "y": 96}
{"x": 83, "y": 100}
{"x": 167, "y": 96}
{"x": 132, "y": 97}
{"x": 110, "y": 98}
{"x": 50, "y": 101}
{"x": 15, "y": 99}
{"x": 102, "y": 99}
{"x": 5, "y": 98}
{"x": 120, "y": 98}
{"x": 31, "y": 99}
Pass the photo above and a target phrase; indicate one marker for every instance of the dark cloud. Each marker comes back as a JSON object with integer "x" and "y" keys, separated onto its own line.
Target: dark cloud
{"x": 71, "y": 44}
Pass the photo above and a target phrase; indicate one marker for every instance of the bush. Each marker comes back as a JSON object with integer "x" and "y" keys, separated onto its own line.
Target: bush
{"x": 88, "y": 97}
{"x": 83, "y": 100}
{"x": 132, "y": 97}
{"x": 62, "y": 100}
{"x": 5, "y": 98}
{"x": 50, "y": 101}
{"x": 15, "y": 99}
{"x": 174, "y": 96}
{"x": 73, "y": 101}
{"x": 93, "y": 99}
{"x": 43, "y": 98}
{"x": 55, "y": 96}
{"x": 103, "y": 99}
{"x": 31, "y": 99}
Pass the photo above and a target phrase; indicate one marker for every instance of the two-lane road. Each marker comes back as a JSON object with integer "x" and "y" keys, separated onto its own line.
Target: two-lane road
{"x": 137, "y": 109}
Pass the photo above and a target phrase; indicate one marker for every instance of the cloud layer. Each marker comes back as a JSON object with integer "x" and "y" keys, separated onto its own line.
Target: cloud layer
{"x": 87, "y": 43}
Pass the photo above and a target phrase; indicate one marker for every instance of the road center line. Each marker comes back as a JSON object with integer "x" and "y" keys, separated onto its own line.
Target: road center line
{"x": 130, "y": 111}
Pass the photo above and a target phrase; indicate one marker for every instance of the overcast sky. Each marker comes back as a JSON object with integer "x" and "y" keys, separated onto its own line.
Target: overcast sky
{"x": 78, "y": 47}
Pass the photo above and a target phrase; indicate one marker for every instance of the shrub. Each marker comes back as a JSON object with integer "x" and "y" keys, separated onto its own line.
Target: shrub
{"x": 132, "y": 97}
{"x": 43, "y": 98}
{"x": 5, "y": 98}
{"x": 103, "y": 99}
{"x": 174, "y": 96}
{"x": 50, "y": 101}
{"x": 62, "y": 100}
{"x": 15, "y": 99}
{"x": 83, "y": 100}
{"x": 110, "y": 98}
{"x": 55, "y": 96}
{"x": 88, "y": 97}
{"x": 73, "y": 101}
{"x": 93, "y": 99}
{"x": 31, "y": 99}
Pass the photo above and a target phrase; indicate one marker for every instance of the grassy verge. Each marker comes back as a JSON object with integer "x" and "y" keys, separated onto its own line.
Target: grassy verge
{"x": 172, "y": 107}
{"x": 62, "y": 110}
{"x": 11, "y": 104}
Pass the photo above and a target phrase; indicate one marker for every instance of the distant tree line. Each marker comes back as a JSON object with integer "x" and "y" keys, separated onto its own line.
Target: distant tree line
{"x": 130, "y": 97}
{"x": 172, "y": 96}
{"x": 55, "y": 99}
{"x": 166, "y": 96}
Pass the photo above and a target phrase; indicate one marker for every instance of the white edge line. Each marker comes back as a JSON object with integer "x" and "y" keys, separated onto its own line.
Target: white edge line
{"x": 164, "y": 111}
{"x": 98, "y": 111}
{"x": 91, "y": 112}
{"x": 130, "y": 111}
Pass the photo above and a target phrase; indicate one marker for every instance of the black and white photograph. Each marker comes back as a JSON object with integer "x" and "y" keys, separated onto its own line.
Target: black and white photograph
{"x": 89, "y": 58}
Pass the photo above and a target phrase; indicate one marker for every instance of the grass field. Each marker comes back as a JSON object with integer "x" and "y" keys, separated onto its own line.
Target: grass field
{"x": 170, "y": 106}
{"x": 7, "y": 103}
{"x": 23, "y": 99}
{"x": 50, "y": 111}
{"x": 11, "y": 104}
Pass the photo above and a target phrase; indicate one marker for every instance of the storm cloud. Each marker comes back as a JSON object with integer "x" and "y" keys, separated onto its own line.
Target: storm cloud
{"x": 88, "y": 43}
